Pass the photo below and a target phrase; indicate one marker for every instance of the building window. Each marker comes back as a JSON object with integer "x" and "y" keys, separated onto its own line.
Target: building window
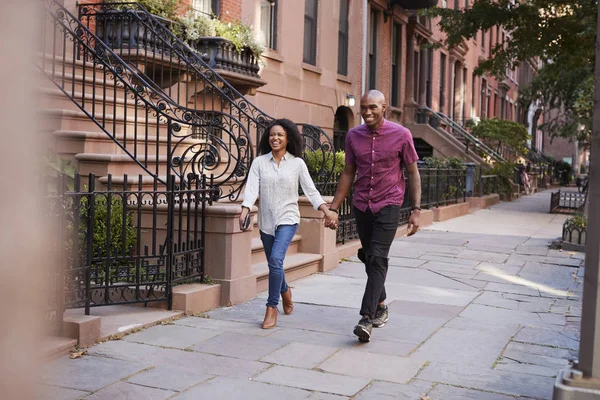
{"x": 483, "y": 111}
{"x": 373, "y": 51}
{"x": 396, "y": 63}
{"x": 466, "y": 4}
{"x": 310, "y": 31}
{"x": 343, "y": 39}
{"x": 483, "y": 39}
{"x": 456, "y": 4}
{"x": 442, "y": 81}
{"x": 268, "y": 23}
{"x": 208, "y": 7}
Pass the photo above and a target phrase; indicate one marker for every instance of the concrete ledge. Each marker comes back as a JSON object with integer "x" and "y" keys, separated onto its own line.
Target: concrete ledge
{"x": 483, "y": 202}
{"x": 196, "y": 298}
{"x": 84, "y": 328}
{"x": 238, "y": 290}
{"x": 570, "y": 385}
{"x": 452, "y": 211}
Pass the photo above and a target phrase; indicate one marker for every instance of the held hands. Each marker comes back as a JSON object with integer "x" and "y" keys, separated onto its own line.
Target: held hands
{"x": 331, "y": 219}
{"x": 413, "y": 222}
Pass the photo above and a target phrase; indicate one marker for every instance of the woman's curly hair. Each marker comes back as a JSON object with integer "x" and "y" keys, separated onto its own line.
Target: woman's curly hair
{"x": 294, "y": 138}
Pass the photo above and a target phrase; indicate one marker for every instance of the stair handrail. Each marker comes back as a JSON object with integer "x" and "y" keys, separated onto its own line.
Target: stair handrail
{"x": 464, "y": 133}
{"x": 204, "y": 156}
{"x": 315, "y": 138}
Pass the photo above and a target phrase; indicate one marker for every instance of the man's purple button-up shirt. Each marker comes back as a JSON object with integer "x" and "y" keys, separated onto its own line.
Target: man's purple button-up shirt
{"x": 379, "y": 157}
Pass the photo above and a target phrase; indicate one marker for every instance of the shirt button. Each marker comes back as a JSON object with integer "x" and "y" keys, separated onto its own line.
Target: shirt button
{"x": 372, "y": 164}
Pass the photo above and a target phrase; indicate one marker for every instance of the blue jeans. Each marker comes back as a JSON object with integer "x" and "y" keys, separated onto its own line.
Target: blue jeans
{"x": 275, "y": 249}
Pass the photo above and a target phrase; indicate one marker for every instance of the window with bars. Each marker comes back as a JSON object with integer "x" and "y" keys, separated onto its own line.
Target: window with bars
{"x": 343, "y": 38}
{"x": 396, "y": 63}
{"x": 310, "y": 31}
{"x": 268, "y": 23}
{"x": 373, "y": 50}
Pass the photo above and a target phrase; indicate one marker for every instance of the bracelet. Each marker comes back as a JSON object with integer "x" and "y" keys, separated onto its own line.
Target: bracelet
{"x": 413, "y": 208}
{"x": 335, "y": 211}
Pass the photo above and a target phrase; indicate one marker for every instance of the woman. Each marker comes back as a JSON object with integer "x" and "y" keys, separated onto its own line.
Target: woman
{"x": 275, "y": 175}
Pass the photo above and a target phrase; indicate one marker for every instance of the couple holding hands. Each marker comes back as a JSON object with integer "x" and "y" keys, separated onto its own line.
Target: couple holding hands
{"x": 376, "y": 153}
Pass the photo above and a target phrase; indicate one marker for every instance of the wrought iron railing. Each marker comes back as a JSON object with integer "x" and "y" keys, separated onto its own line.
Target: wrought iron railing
{"x": 128, "y": 244}
{"x": 200, "y": 88}
{"x": 568, "y": 202}
{"x": 425, "y": 115}
{"x": 439, "y": 187}
{"x": 488, "y": 184}
{"x": 574, "y": 234}
{"x": 157, "y": 135}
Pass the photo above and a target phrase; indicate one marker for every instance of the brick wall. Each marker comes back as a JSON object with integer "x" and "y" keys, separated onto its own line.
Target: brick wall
{"x": 231, "y": 10}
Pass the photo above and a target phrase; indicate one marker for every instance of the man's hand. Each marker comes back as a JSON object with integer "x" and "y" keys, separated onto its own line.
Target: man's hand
{"x": 331, "y": 220}
{"x": 413, "y": 222}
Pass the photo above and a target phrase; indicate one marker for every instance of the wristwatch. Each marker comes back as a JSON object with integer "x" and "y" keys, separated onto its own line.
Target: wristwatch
{"x": 335, "y": 211}
{"x": 413, "y": 208}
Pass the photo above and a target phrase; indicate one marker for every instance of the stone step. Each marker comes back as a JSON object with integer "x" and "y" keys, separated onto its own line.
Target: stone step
{"x": 258, "y": 250}
{"x": 296, "y": 266}
{"x": 48, "y": 61}
{"x": 70, "y": 142}
{"x": 54, "y": 347}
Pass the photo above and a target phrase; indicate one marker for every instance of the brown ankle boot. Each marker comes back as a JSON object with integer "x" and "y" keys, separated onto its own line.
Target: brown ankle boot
{"x": 270, "y": 318}
{"x": 288, "y": 305}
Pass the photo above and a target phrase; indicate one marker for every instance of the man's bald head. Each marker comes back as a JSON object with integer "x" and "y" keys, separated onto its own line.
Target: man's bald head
{"x": 372, "y": 108}
{"x": 373, "y": 96}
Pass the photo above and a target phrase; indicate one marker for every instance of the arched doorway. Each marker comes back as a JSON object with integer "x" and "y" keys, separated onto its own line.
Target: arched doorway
{"x": 341, "y": 125}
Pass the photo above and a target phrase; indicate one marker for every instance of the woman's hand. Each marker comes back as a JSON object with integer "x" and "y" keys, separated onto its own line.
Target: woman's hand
{"x": 243, "y": 215}
{"x": 331, "y": 220}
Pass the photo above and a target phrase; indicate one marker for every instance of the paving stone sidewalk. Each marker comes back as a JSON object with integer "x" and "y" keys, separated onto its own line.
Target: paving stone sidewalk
{"x": 480, "y": 308}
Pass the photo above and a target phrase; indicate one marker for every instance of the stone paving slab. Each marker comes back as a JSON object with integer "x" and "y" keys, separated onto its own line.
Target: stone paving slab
{"x": 313, "y": 380}
{"x": 520, "y": 368}
{"x": 175, "y": 336}
{"x": 450, "y": 260}
{"x": 58, "y": 393}
{"x": 372, "y": 366}
{"x": 423, "y": 277}
{"x": 421, "y": 309}
{"x": 124, "y": 390}
{"x": 546, "y": 337}
{"x": 169, "y": 378}
{"x": 445, "y": 392}
{"x": 415, "y": 390}
{"x": 194, "y": 362}
{"x": 89, "y": 373}
{"x": 510, "y": 383}
{"x": 300, "y": 355}
{"x": 469, "y": 347}
{"x": 238, "y": 345}
{"x": 222, "y": 326}
{"x": 405, "y": 262}
{"x": 224, "y": 388}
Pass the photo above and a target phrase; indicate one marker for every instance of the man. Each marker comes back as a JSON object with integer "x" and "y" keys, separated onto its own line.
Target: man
{"x": 376, "y": 153}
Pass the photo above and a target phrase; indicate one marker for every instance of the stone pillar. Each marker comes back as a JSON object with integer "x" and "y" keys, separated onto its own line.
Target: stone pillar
{"x": 452, "y": 82}
{"x": 228, "y": 260}
{"x": 410, "y": 70}
{"x": 582, "y": 382}
{"x": 423, "y": 62}
{"x": 316, "y": 238}
{"x": 458, "y": 95}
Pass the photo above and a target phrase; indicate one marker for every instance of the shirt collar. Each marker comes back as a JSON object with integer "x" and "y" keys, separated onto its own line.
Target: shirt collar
{"x": 285, "y": 157}
{"x": 380, "y": 130}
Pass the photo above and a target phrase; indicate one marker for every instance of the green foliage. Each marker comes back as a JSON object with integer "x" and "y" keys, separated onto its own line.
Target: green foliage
{"x": 578, "y": 221}
{"x": 315, "y": 162}
{"x": 446, "y": 162}
{"x": 506, "y": 174}
{"x": 163, "y": 8}
{"x": 505, "y": 133}
{"x": 561, "y": 33}
{"x": 120, "y": 219}
{"x": 240, "y": 35}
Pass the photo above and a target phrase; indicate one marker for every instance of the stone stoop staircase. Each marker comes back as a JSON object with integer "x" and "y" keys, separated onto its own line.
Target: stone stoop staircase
{"x": 296, "y": 265}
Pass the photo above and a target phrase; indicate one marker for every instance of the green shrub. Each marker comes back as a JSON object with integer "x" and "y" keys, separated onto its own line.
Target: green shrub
{"x": 505, "y": 173}
{"x": 579, "y": 221}
{"x": 445, "y": 162}
{"x": 316, "y": 162}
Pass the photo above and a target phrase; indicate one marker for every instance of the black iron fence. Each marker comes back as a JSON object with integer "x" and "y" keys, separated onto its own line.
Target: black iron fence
{"x": 439, "y": 187}
{"x": 574, "y": 234}
{"x": 567, "y": 202}
{"x": 131, "y": 244}
{"x": 488, "y": 184}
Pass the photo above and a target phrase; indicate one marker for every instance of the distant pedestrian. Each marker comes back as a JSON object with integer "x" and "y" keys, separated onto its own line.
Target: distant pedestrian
{"x": 376, "y": 153}
{"x": 275, "y": 176}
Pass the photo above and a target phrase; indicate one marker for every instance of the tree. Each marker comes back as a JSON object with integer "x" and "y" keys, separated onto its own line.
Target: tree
{"x": 561, "y": 33}
{"x": 512, "y": 135}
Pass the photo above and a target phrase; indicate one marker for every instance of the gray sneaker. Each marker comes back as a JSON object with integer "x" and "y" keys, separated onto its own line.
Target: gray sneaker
{"x": 363, "y": 329}
{"x": 381, "y": 317}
